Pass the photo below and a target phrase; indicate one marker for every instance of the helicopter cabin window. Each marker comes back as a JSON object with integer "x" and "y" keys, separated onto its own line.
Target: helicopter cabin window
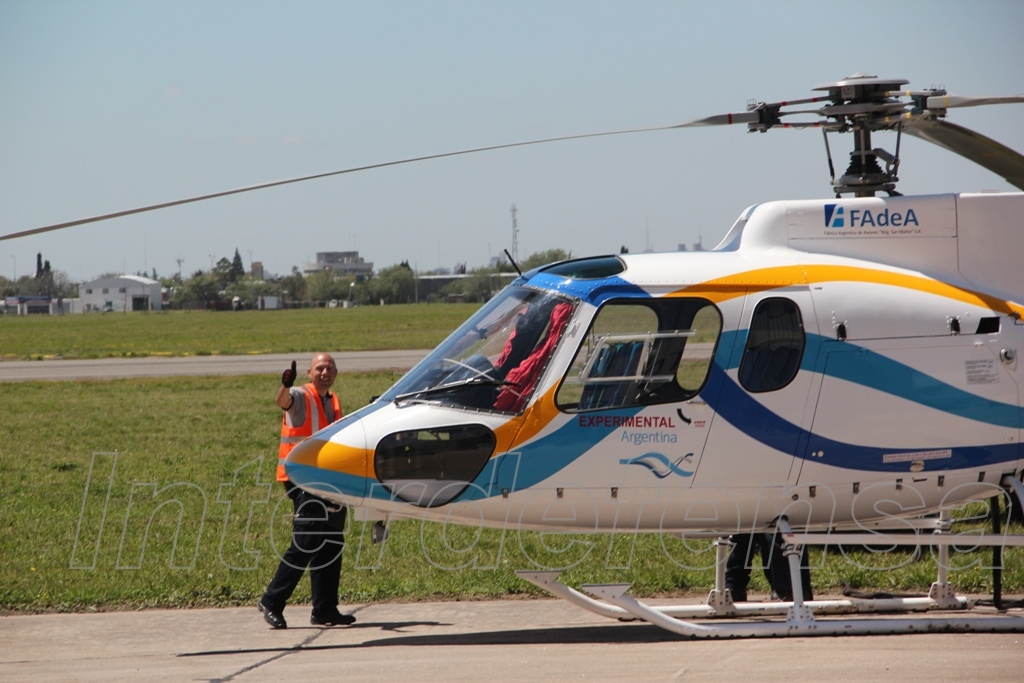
{"x": 642, "y": 353}
{"x": 775, "y": 346}
{"x": 495, "y": 361}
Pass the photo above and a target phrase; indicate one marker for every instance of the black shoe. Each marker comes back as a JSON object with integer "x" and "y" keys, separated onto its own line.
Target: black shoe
{"x": 274, "y": 618}
{"x": 334, "y": 619}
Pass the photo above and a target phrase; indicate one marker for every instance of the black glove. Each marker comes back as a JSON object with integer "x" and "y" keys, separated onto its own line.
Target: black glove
{"x": 288, "y": 376}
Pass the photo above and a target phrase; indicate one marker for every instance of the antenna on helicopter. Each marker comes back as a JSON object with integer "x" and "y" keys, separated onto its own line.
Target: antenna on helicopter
{"x": 513, "y": 262}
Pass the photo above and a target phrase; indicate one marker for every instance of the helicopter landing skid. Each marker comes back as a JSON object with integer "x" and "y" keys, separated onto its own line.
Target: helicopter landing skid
{"x": 799, "y": 615}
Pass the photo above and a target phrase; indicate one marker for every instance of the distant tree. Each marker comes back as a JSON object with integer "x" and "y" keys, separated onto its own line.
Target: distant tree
{"x": 542, "y": 258}
{"x": 249, "y": 290}
{"x": 326, "y": 285}
{"x": 476, "y": 288}
{"x": 199, "y": 290}
{"x": 26, "y": 285}
{"x": 222, "y": 273}
{"x": 394, "y": 284}
{"x": 293, "y": 287}
{"x": 44, "y": 282}
{"x": 63, "y": 287}
{"x": 237, "y": 269}
{"x": 503, "y": 266}
{"x": 170, "y": 282}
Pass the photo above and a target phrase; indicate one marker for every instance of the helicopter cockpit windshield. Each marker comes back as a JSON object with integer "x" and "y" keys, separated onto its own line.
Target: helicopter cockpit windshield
{"x": 494, "y": 360}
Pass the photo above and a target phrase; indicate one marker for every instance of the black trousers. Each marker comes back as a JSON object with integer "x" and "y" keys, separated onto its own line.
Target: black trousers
{"x": 317, "y": 543}
{"x": 776, "y": 566}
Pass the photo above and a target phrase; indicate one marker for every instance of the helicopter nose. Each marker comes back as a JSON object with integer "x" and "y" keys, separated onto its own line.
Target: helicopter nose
{"x": 331, "y": 467}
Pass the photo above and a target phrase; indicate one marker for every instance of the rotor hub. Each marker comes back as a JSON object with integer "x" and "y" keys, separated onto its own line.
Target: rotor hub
{"x": 861, "y": 104}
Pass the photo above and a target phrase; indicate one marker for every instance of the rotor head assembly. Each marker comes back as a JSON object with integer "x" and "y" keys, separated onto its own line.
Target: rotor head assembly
{"x": 862, "y": 104}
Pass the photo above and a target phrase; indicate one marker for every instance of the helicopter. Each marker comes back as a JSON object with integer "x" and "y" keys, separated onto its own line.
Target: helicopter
{"x": 842, "y": 367}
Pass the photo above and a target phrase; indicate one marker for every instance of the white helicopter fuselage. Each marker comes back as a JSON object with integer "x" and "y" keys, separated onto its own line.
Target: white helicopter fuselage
{"x": 843, "y": 362}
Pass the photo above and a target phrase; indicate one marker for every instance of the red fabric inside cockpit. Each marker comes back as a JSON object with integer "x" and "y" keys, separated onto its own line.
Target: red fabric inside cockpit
{"x": 524, "y": 376}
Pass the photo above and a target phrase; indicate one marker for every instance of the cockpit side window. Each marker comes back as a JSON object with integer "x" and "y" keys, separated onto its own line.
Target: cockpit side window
{"x": 775, "y": 346}
{"x": 642, "y": 353}
{"x": 495, "y": 360}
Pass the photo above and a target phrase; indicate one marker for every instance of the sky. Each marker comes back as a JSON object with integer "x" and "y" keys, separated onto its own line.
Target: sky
{"x": 111, "y": 105}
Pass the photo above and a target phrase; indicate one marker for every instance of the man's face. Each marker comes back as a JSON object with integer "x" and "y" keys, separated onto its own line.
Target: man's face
{"x": 322, "y": 372}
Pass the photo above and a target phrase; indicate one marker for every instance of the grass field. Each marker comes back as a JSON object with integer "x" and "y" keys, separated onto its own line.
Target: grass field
{"x": 85, "y": 466}
{"x": 210, "y": 444}
{"x": 191, "y": 333}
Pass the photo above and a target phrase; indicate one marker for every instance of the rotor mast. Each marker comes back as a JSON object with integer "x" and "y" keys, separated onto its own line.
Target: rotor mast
{"x": 861, "y": 104}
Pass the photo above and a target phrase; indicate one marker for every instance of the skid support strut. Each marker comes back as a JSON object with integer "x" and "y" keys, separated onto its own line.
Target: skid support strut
{"x": 799, "y": 614}
{"x": 615, "y": 594}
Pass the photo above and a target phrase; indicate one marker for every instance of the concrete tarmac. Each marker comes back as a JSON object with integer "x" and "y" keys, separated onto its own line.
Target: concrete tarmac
{"x": 491, "y": 641}
{"x": 155, "y": 366}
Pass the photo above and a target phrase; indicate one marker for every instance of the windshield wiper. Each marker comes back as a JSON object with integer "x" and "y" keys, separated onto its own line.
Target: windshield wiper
{"x": 478, "y": 381}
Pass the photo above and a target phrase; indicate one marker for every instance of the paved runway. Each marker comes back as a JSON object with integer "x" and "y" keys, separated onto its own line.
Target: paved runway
{"x": 153, "y": 366}
{"x": 490, "y": 641}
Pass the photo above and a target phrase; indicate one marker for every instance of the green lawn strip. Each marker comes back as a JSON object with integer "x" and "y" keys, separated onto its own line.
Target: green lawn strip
{"x": 204, "y": 448}
{"x": 182, "y": 333}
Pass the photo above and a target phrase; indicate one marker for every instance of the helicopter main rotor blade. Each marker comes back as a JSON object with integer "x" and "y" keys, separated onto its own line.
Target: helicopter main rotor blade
{"x": 722, "y": 120}
{"x": 276, "y": 183}
{"x": 954, "y": 101}
{"x": 983, "y": 151}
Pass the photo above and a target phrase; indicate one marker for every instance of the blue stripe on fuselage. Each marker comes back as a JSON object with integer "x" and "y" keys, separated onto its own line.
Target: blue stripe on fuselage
{"x": 858, "y": 365}
{"x": 746, "y": 414}
{"x": 543, "y": 458}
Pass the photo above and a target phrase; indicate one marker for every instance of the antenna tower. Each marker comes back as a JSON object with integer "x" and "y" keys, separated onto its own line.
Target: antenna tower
{"x": 515, "y": 235}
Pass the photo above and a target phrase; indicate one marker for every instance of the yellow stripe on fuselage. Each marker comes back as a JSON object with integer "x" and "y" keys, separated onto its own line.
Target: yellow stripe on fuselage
{"x": 521, "y": 429}
{"x": 731, "y": 286}
{"x": 331, "y": 456}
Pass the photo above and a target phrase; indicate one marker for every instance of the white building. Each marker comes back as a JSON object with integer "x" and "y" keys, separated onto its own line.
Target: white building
{"x": 341, "y": 262}
{"x": 120, "y": 293}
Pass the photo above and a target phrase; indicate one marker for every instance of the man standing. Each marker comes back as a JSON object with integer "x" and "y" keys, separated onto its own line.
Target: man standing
{"x": 317, "y": 538}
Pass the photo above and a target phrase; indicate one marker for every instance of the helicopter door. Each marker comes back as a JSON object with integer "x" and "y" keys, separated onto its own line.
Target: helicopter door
{"x": 635, "y": 386}
{"x": 914, "y": 408}
{"x": 763, "y": 411}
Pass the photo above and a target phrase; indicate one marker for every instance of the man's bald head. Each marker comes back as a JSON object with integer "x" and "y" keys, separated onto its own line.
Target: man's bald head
{"x": 322, "y": 372}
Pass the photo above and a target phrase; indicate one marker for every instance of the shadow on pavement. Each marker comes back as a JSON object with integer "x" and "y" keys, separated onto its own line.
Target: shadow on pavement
{"x": 609, "y": 634}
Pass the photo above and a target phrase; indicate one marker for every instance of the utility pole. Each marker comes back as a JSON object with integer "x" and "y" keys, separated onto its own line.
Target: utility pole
{"x": 515, "y": 234}
{"x": 180, "y": 261}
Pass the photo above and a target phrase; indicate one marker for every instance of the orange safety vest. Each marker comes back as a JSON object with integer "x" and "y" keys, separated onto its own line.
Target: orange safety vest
{"x": 316, "y": 419}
